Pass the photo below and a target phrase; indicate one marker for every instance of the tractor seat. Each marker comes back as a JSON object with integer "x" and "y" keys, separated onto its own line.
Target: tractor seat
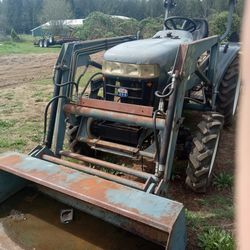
{"x": 202, "y": 30}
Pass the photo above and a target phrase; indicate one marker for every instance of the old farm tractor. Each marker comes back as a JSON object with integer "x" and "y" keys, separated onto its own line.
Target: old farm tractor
{"x": 134, "y": 108}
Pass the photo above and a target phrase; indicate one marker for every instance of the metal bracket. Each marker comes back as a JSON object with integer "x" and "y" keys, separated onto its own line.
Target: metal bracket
{"x": 40, "y": 150}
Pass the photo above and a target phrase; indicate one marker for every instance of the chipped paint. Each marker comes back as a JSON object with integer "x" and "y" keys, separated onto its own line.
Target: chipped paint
{"x": 147, "y": 215}
{"x": 154, "y": 206}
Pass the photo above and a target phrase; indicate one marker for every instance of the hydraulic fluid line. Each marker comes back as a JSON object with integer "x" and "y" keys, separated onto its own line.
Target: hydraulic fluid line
{"x": 161, "y": 95}
{"x": 45, "y": 142}
{"x": 89, "y": 81}
{"x": 162, "y": 151}
{"x": 68, "y": 83}
{"x": 168, "y": 126}
{"x": 82, "y": 75}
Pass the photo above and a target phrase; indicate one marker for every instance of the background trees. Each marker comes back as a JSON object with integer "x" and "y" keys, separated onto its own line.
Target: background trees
{"x": 23, "y": 15}
{"x": 55, "y": 12}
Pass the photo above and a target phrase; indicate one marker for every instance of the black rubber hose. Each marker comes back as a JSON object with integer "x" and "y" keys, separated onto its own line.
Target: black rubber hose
{"x": 164, "y": 95}
{"x": 89, "y": 81}
{"x": 46, "y": 115}
{"x": 82, "y": 75}
{"x": 68, "y": 83}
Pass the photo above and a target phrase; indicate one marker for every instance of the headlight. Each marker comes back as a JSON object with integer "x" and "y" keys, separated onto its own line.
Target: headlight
{"x": 130, "y": 70}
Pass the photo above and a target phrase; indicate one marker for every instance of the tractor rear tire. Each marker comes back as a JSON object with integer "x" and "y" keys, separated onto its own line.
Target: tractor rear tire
{"x": 40, "y": 43}
{"x": 75, "y": 145}
{"x": 229, "y": 90}
{"x": 202, "y": 157}
{"x": 45, "y": 43}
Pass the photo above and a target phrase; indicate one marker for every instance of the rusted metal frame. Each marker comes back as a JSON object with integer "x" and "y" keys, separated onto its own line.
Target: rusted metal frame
{"x": 95, "y": 172}
{"x": 98, "y": 114}
{"x": 159, "y": 219}
{"x": 115, "y": 152}
{"x": 118, "y": 107}
{"x": 110, "y": 145}
{"x": 108, "y": 165}
{"x": 117, "y": 149}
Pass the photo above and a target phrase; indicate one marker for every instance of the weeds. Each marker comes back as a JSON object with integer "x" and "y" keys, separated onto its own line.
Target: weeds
{"x": 6, "y": 124}
{"x": 215, "y": 239}
{"x": 16, "y": 144}
{"x": 223, "y": 181}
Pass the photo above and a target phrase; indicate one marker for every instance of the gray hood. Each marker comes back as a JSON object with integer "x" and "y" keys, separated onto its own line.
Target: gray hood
{"x": 159, "y": 50}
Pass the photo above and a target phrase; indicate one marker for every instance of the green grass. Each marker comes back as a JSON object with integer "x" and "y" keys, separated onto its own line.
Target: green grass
{"x": 216, "y": 239}
{"x": 24, "y": 47}
{"x": 223, "y": 181}
{"x": 210, "y": 223}
{"x": 6, "y": 124}
{"x": 42, "y": 96}
{"x": 16, "y": 144}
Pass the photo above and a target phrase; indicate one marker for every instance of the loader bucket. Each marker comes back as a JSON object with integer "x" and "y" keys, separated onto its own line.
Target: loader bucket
{"x": 154, "y": 218}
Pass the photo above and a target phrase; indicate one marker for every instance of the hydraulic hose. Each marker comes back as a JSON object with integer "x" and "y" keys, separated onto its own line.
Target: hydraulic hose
{"x": 55, "y": 99}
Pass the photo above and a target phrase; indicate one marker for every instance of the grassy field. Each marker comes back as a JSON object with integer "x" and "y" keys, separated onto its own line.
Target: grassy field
{"x": 24, "y": 47}
{"x": 210, "y": 217}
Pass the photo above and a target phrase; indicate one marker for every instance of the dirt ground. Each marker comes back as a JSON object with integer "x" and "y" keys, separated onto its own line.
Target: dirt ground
{"x": 28, "y": 76}
{"x": 21, "y": 69}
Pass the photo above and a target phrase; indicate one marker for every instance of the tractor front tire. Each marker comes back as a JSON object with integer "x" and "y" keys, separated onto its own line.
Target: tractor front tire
{"x": 229, "y": 90}
{"x": 202, "y": 157}
{"x": 75, "y": 145}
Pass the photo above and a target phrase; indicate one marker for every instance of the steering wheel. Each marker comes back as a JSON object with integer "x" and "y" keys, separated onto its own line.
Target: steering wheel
{"x": 180, "y": 23}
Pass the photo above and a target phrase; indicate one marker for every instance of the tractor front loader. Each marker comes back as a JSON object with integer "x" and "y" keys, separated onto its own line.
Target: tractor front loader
{"x": 133, "y": 107}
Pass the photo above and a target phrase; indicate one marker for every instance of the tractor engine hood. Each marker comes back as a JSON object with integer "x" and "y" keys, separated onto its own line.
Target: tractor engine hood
{"x": 160, "y": 50}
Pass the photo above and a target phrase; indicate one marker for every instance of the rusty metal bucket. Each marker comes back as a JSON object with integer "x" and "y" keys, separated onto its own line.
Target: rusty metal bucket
{"x": 154, "y": 218}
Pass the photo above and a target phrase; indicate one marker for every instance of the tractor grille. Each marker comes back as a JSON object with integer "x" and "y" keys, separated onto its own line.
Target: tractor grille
{"x": 131, "y": 91}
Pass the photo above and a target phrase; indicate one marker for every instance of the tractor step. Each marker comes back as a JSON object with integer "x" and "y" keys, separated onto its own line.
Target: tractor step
{"x": 154, "y": 218}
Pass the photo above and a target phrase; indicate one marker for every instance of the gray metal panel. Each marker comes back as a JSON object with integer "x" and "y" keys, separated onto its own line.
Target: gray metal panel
{"x": 161, "y": 51}
{"x": 9, "y": 185}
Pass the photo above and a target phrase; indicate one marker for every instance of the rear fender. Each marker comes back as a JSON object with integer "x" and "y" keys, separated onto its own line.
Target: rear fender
{"x": 225, "y": 58}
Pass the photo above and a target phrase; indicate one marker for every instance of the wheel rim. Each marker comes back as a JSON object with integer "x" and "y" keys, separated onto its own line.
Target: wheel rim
{"x": 214, "y": 155}
{"x": 237, "y": 95}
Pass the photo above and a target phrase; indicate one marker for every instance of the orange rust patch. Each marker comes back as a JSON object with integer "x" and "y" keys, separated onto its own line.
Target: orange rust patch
{"x": 11, "y": 160}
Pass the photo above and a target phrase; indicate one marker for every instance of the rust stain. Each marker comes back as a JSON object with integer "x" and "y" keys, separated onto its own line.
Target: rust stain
{"x": 117, "y": 107}
{"x": 10, "y": 160}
